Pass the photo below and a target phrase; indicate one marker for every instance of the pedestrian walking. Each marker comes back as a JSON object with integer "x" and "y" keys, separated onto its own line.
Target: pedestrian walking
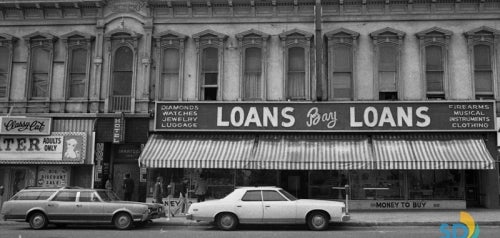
{"x": 201, "y": 189}
{"x": 158, "y": 191}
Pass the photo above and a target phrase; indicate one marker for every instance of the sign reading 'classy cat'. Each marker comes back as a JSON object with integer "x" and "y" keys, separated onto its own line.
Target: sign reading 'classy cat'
{"x": 326, "y": 116}
{"x": 25, "y": 126}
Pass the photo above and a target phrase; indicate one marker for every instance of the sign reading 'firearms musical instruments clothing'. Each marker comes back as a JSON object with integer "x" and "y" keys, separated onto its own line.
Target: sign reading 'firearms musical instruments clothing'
{"x": 326, "y": 116}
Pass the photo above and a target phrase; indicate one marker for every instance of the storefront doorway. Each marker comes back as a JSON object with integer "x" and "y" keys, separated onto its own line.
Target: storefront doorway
{"x": 295, "y": 182}
{"x": 119, "y": 172}
{"x": 472, "y": 188}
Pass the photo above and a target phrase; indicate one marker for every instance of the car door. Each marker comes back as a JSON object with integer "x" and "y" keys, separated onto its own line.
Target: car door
{"x": 62, "y": 207}
{"x": 249, "y": 207}
{"x": 89, "y": 208}
{"x": 278, "y": 209}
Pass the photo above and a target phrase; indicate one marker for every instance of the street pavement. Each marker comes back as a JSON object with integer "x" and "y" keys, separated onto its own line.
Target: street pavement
{"x": 488, "y": 217}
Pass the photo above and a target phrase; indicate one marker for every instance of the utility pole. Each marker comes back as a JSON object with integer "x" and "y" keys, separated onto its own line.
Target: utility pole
{"x": 319, "y": 51}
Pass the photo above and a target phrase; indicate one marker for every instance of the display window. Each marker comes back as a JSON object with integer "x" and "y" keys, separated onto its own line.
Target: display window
{"x": 435, "y": 184}
{"x": 321, "y": 184}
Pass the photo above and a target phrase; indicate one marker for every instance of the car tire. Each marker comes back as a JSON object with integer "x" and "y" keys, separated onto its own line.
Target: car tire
{"x": 227, "y": 221}
{"x": 123, "y": 221}
{"x": 38, "y": 221}
{"x": 317, "y": 221}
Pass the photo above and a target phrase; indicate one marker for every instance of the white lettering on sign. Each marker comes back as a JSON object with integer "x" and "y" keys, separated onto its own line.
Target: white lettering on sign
{"x": 315, "y": 117}
{"x": 402, "y": 116}
{"x": 238, "y": 117}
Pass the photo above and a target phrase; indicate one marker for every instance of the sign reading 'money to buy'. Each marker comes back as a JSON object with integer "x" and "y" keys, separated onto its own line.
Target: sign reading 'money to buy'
{"x": 325, "y": 116}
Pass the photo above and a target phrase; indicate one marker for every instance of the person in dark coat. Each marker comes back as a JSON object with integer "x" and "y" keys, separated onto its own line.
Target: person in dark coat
{"x": 158, "y": 191}
{"x": 128, "y": 188}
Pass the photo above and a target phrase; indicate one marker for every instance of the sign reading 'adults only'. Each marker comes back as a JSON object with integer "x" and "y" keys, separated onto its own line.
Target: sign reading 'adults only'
{"x": 326, "y": 116}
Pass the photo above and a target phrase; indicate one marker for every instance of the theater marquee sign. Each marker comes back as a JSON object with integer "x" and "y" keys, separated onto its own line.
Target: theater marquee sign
{"x": 326, "y": 116}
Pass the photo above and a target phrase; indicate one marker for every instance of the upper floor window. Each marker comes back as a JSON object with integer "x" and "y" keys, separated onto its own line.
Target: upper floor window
{"x": 253, "y": 51}
{"x": 296, "y": 51}
{"x": 434, "y": 44}
{"x": 342, "y": 45}
{"x": 40, "y": 61}
{"x": 122, "y": 45}
{"x": 387, "y": 44}
{"x": 210, "y": 46}
{"x": 78, "y": 48}
{"x": 170, "y": 52}
{"x": 6, "y": 52}
{"x": 482, "y": 50}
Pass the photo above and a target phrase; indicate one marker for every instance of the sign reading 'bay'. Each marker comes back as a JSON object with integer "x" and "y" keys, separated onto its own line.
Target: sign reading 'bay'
{"x": 325, "y": 116}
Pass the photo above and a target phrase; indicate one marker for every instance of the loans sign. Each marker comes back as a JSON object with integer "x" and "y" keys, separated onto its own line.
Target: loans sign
{"x": 326, "y": 116}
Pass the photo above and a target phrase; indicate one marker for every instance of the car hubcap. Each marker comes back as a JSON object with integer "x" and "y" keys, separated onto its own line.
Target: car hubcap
{"x": 318, "y": 221}
{"x": 38, "y": 221}
{"x": 123, "y": 221}
{"x": 227, "y": 221}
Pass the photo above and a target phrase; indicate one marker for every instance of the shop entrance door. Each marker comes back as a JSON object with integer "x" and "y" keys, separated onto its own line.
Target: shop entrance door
{"x": 295, "y": 182}
{"x": 472, "y": 188}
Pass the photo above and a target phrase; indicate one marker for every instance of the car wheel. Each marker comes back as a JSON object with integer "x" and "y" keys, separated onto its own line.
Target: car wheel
{"x": 38, "y": 221}
{"x": 123, "y": 221}
{"x": 227, "y": 221}
{"x": 317, "y": 221}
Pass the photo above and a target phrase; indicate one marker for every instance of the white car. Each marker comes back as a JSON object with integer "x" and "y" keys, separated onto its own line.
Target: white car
{"x": 273, "y": 205}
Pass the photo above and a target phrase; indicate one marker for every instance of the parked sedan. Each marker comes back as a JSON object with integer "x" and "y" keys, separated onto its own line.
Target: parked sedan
{"x": 256, "y": 205}
{"x": 41, "y": 206}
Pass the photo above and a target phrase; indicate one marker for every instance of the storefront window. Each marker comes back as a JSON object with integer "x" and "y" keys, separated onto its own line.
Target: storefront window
{"x": 441, "y": 184}
{"x": 257, "y": 178}
{"x": 382, "y": 184}
{"x": 321, "y": 183}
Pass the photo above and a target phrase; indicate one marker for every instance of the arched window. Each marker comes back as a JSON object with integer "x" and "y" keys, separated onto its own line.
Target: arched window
{"x": 78, "y": 73}
{"x": 4, "y": 70}
{"x": 170, "y": 74}
{"x": 210, "y": 51}
{"x": 296, "y": 73}
{"x": 482, "y": 43}
{"x": 40, "y": 63}
{"x": 387, "y": 44}
{"x": 253, "y": 73}
{"x": 434, "y": 44}
{"x": 209, "y": 73}
{"x": 253, "y": 51}
{"x": 122, "y": 71}
{"x": 296, "y": 53}
{"x": 342, "y": 44}
{"x": 170, "y": 54}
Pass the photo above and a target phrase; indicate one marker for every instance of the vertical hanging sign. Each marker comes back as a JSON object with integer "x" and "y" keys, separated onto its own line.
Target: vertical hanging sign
{"x": 119, "y": 130}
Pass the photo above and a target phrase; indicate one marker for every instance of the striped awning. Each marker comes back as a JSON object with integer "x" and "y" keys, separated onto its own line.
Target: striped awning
{"x": 312, "y": 152}
{"x": 197, "y": 151}
{"x": 431, "y": 151}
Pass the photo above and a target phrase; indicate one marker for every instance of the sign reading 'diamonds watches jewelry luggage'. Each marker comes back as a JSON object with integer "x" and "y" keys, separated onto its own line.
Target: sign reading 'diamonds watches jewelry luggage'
{"x": 326, "y": 116}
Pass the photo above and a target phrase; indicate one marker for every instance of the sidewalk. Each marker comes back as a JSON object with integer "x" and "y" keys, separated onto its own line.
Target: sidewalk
{"x": 485, "y": 217}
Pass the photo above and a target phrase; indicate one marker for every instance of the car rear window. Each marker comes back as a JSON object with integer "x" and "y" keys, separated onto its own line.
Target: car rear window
{"x": 33, "y": 195}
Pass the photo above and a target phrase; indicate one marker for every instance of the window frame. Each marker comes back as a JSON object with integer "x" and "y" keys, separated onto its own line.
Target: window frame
{"x": 44, "y": 41}
{"x": 73, "y": 41}
{"x": 253, "y": 39}
{"x": 341, "y": 38}
{"x": 483, "y": 36}
{"x": 8, "y": 42}
{"x": 203, "y": 40}
{"x": 387, "y": 37}
{"x": 169, "y": 40}
{"x": 302, "y": 39}
{"x": 114, "y": 40}
{"x": 435, "y": 36}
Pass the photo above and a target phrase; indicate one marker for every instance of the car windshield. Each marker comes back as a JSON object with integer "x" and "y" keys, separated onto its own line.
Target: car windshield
{"x": 108, "y": 196}
{"x": 288, "y": 195}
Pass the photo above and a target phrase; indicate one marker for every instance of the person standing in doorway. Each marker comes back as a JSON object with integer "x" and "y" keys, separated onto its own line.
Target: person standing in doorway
{"x": 158, "y": 191}
{"x": 128, "y": 188}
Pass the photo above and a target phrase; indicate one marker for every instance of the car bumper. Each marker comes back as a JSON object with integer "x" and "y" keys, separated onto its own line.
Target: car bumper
{"x": 345, "y": 217}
